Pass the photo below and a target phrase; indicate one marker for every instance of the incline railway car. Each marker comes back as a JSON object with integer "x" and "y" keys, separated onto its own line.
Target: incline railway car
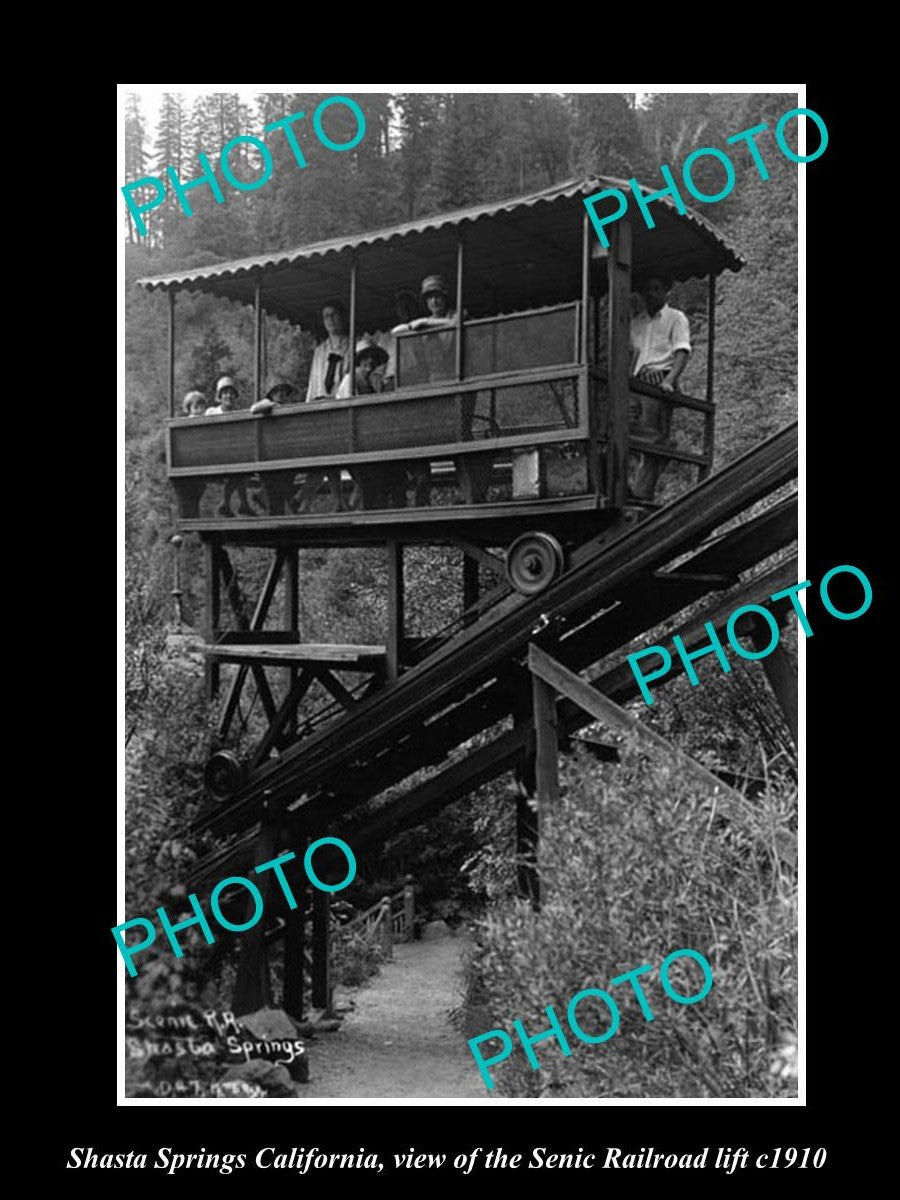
{"x": 504, "y": 419}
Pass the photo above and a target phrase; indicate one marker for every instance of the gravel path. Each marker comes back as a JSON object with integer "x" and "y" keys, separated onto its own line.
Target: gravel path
{"x": 397, "y": 1041}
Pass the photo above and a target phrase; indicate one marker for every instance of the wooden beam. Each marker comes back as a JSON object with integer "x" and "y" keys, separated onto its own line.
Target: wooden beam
{"x": 332, "y": 684}
{"x": 470, "y": 581}
{"x": 354, "y": 279}
{"x": 171, "y": 294}
{"x": 583, "y": 355}
{"x": 395, "y": 614}
{"x": 284, "y": 718}
{"x": 546, "y": 762}
{"x": 616, "y": 718}
{"x": 493, "y": 562}
{"x": 321, "y": 949}
{"x": 292, "y": 619}
{"x": 619, "y": 268}
{"x": 460, "y": 264}
{"x": 258, "y": 369}
{"x": 781, "y": 676}
{"x": 252, "y": 989}
{"x": 709, "y": 421}
{"x": 710, "y": 338}
{"x": 294, "y": 959}
{"x": 299, "y": 654}
{"x": 212, "y": 613}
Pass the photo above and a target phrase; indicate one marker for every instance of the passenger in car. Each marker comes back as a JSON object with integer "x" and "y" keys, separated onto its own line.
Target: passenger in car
{"x": 278, "y": 486}
{"x": 378, "y": 485}
{"x": 330, "y": 360}
{"x": 369, "y": 355}
{"x": 226, "y": 398}
{"x": 194, "y": 404}
{"x": 405, "y": 307}
{"x": 226, "y": 402}
{"x": 436, "y": 296}
{"x": 660, "y": 345}
{"x": 279, "y": 391}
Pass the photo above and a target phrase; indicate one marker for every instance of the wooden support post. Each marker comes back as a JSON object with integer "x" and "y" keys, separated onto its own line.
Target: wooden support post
{"x": 526, "y": 816}
{"x": 709, "y": 420}
{"x": 259, "y": 369}
{"x": 294, "y": 938}
{"x": 252, "y": 989}
{"x": 212, "y": 612}
{"x": 619, "y": 267}
{"x": 546, "y": 761}
{"x": 354, "y": 272}
{"x": 584, "y": 355}
{"x": 470, "y": 581}
{"x": 321, "y": 949}
{"x": 394, "y": 608}
{"x": 710, "y": 336}
{"x": 460, "y": 263}
{"x": 781, "y": 676}
{"x": 171, "y": 352}
{"x": 292, "y": 619}
{"x": 589, "y": 388}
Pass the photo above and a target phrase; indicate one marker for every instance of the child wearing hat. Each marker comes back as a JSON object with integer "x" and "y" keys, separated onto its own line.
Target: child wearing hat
{"x": 194, "y": 404}
{"x": 369, "y": 355}
{"x": 226, "y": 402}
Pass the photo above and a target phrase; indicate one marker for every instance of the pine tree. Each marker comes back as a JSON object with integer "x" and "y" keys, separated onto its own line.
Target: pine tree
{"x": 418, "y": 114}
{"x": 170, "y": 151}
{"x": 135, "y": 153}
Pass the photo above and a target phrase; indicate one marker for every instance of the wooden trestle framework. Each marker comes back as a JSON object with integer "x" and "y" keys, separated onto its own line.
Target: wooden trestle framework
{"x": 516, "y": 659}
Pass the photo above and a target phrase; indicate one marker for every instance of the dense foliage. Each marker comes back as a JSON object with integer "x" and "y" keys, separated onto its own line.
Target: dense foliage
{"x": 637, "y": 864}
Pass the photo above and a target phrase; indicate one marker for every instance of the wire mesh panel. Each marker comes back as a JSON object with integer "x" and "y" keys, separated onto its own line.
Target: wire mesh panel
{"x": 521, "y": 342}
{"x": 307, "y": 431}
{"x": 217, "y": 440}
{"x": 450, "y": 418}
{"x": 492, "y": 346}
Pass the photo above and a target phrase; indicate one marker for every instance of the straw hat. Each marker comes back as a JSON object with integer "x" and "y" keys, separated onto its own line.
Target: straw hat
{"x": 435, "y": 283}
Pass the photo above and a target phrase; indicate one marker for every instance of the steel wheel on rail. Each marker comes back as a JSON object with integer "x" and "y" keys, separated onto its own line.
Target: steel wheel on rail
{"x": 533, "y": 561}
{"x": 223, "y": 774}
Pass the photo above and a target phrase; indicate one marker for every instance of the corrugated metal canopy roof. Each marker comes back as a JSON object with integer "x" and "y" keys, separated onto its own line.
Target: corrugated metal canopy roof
{"x": 523, "y": 252}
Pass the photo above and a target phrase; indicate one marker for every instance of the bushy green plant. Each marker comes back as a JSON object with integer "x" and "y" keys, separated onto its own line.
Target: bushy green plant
{"x": 637, "y": 862}
{"x": 357, "y": 956}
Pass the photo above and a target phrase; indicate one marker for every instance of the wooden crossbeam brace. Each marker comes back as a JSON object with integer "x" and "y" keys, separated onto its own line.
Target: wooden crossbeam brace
{"x": 336, "y": 688}
{"x": 614, "y": 717}
{"x": 282, "y": 717}
{"x": 254, "y": 625}
{"x": 492, "y": 561}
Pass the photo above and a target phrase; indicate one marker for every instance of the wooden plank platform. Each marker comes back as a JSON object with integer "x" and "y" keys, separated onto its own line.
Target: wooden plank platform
{"x": 339, "y": 657}
{"x": 430, "y": 523}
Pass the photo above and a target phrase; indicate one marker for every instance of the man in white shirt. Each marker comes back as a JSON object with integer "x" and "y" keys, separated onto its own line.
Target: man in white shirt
{"x": 660, "y": 345}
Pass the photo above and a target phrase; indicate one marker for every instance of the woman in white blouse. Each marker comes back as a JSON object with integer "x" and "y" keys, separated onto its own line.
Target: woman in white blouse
{"x": 330, "y": 363}
{"x": 332, "y": 357}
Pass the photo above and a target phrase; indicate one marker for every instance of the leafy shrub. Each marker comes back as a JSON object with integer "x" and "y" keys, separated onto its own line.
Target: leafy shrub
{"x": 357, "y": 956}
{"x": 637, "y": 863}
